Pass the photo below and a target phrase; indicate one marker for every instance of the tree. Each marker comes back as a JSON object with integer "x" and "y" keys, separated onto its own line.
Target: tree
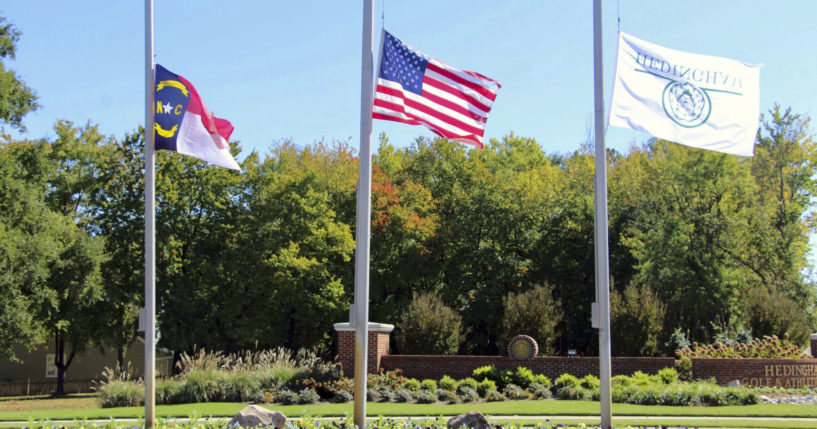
{"x": 16, "y": 98}
{"x": 695, "y": 208}
{"x": 76, "y": 159}
{"x": 783, "y": 168}
{"x": 428, "y": 326}
{"x": 118, "y": 213}
{"x": 29, "y": 245}
{"x": 534, "y": 313}
{"x": 637, "y": 321}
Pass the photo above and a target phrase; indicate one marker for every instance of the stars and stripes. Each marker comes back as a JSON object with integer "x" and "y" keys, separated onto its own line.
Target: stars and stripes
{"x": 416, "y": 89}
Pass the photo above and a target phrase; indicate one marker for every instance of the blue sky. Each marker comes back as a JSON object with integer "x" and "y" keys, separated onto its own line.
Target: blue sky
{"x": 291, "y": 70}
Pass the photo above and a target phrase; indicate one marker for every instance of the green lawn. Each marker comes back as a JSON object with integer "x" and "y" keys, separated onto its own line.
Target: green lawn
{"x": 83, "y": 407}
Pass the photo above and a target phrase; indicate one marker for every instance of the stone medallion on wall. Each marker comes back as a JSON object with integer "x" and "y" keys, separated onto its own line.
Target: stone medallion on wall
{"x": 522, "y": 347}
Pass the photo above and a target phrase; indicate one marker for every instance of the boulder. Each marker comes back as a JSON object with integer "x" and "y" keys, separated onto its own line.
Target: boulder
{"x": 254, "y": 415}
{"x": 734, "y": 383}
{"x": 472, "y": 420}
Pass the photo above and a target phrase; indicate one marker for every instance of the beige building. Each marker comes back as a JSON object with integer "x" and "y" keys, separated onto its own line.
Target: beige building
{"x": 35, "y": 372}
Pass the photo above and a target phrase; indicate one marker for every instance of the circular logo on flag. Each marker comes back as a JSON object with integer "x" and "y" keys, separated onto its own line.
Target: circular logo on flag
{"x": 686, "y": 104}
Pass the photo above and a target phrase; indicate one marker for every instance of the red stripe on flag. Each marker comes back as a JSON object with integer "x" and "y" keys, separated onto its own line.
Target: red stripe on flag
{"x": 431, "y": 111}
{"x": 485, "y": 92}
{"x": 453, "y": 106}
{"x": 428, "y": 80}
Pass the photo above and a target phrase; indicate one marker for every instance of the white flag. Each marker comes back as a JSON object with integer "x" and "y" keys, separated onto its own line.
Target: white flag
{"x": 695, "y": 100}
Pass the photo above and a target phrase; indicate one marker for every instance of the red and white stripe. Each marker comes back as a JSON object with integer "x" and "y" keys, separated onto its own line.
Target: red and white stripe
{"x": 454, "y": 103}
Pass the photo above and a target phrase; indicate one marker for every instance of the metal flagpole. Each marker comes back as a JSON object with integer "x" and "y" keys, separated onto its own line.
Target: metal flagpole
{"x": 602, "y": 257}
{"x": 150, "y": 225}
{"x": 364, "y": 209}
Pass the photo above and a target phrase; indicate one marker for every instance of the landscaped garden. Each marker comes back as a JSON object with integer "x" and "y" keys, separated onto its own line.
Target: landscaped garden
{"x": 281, "y": 377}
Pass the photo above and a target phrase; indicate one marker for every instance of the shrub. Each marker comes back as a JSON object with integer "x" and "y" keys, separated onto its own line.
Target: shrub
{"x": 541, "y": 379}
{"x": 572, "y": 392}
{"x": 467, "y": 382}
{"x": 534, "y": 313}
{"x": 539, "y": 391}
{"x": 637, "y": 317}
{"x": 484, "y": 386}
{"x": 447, "y": 396}
{"x": 467, "y": 394}
{"x": 238, "y": 386}
{"x": 512, "y": 391}
{"x": 425, "y": 396}
{"x": 276, "y": 378}
{"x": 429, "y": 384}
{"x": 505, "y": 378}
{"x": 589, "y": 382}
{"x": 343, "y": 396}
{"x": 486, "y": 372}
{"x": 287, "y": 397}
{"x": 412, "y": 384}
{"x": 169, "y": 391}
{"x": 668, "y": 375}
{"x": 677, "y": 341}
{"x": 122, "y": 393}
{"x": 684, "y": 367}
{"x": 620, "y": 380}
{"x": 383, "y": 395}
{"x": 448, "y": 383}
{"x": 775, "y": 314}
{"x": 493, "y": 396}
{"x": 308, "y": 396}
{"x": 565, "y": 380}
{"x": 201, "y": 385}
{"x": 522, "y": 377}
{"x": 386, "y": 380}
{"x": 429, "y": 327}
{"x": 766, "y": 347}
{"x": 402, "y": 395}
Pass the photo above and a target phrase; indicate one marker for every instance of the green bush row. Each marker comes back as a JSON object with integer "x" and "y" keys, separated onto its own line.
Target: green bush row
{"x": 487, "y": 383}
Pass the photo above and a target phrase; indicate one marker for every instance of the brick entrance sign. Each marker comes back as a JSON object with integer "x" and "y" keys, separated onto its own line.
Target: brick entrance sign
{"x": 749, "y": 372}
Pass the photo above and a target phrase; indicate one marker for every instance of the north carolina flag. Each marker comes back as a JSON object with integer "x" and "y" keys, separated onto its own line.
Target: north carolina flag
{"x": 183, "y": 123}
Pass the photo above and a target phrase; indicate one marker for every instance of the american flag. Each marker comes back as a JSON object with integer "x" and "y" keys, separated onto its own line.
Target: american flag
{"x": 416, "y": 89}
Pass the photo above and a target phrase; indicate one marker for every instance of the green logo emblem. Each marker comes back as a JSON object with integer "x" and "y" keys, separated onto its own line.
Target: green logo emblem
{"x": 686, "y": 104}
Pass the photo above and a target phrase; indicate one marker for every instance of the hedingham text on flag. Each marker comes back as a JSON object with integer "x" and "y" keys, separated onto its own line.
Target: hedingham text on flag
{"x": 696, "y": 100}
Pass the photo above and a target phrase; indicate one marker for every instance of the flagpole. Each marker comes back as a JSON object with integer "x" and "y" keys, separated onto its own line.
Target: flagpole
{"x": 602, "y": 256}
{"x": 364, "y": 209}
{"x": 150, "y": 224}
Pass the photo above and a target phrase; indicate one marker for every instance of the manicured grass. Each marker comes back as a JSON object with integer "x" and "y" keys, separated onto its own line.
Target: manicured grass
{"x": 48, "y": 402}
{"x": 46, "y": 409}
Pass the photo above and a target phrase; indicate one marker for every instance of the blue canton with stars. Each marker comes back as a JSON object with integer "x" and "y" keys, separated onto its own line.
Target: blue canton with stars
{"x": 402, "y": 64}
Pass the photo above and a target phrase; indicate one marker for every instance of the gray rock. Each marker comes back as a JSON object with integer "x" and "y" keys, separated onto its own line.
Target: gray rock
{"x": 473, "y": 420}
{"x": 734, "y": 383}
{"x": 254, "y": 415}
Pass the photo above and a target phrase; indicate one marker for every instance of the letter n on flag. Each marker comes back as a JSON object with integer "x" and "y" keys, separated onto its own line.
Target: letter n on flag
{"x": 696, "y": 100}
{"x": 416, "y": 89}
{"x": 184, "y": 125}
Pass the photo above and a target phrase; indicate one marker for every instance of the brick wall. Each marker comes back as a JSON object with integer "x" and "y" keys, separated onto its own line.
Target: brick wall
{"x": 814, "y": 345}
{"x": 553, "y": 366}
{"x": 378, "y": 337}
{"x": 750, "y": 372}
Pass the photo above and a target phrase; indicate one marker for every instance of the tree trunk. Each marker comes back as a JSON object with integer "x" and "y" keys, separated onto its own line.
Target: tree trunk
{"x": 61, "y": 363}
